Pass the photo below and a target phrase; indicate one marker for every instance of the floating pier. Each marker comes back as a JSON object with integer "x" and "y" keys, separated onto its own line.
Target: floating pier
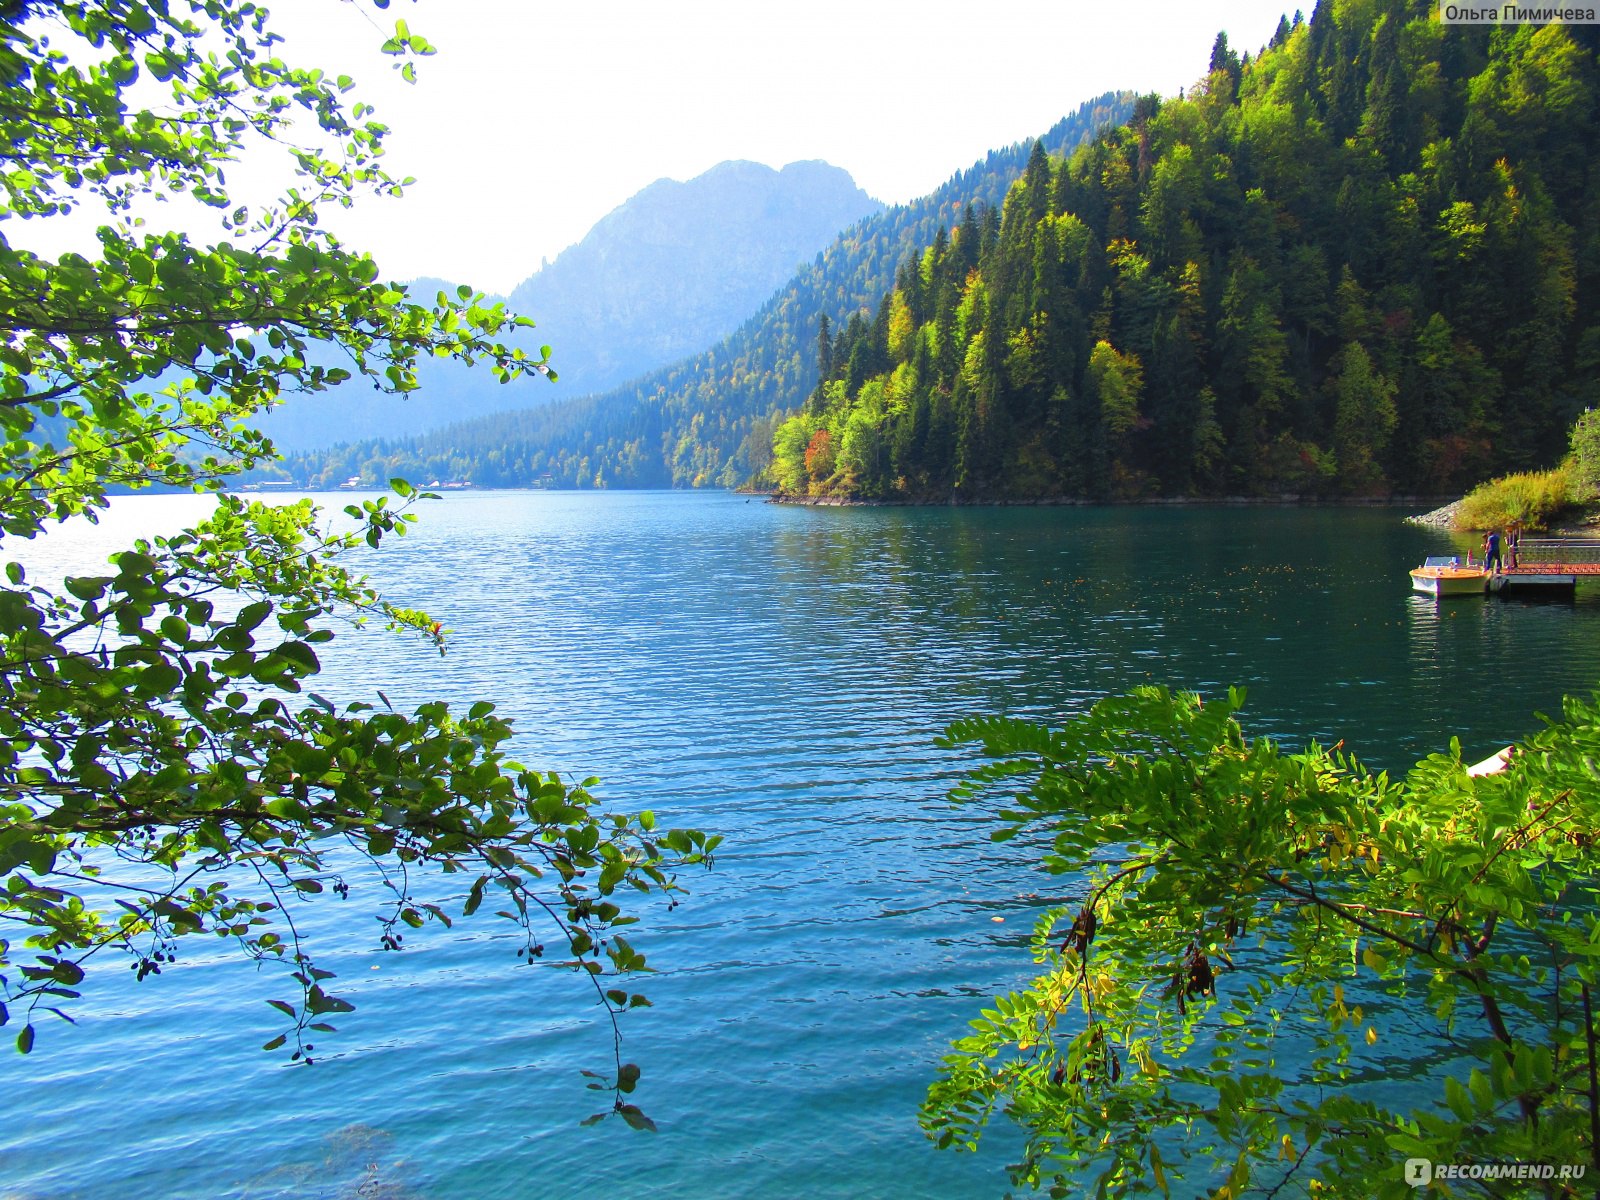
{"x": 1548, "y": 566}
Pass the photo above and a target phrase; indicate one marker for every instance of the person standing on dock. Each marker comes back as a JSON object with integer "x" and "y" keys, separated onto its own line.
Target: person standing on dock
{"x": 1513, "y": 544}
{"x": 1491, "y": 550}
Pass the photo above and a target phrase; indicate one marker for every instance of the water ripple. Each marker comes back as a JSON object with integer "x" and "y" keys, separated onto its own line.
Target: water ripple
{"x": 779, "y": 676}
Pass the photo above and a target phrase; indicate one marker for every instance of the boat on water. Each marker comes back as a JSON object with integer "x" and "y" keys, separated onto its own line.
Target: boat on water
{"x": 1449, "y": 576}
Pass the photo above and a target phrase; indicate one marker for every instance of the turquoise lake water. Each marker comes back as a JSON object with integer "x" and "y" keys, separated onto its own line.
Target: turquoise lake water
{"x": 777, "y": 675}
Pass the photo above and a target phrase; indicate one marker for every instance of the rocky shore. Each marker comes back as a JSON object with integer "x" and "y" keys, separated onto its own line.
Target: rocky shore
{"x": 1580, "y": 522}
{"x": 1439, "y": 518}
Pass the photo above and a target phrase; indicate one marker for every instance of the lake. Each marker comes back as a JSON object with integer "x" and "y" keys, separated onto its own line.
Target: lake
{"x": 777, "y": 675}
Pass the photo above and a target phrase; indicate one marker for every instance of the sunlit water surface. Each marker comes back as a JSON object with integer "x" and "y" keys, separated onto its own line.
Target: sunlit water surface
{"x": 777, "y": 675}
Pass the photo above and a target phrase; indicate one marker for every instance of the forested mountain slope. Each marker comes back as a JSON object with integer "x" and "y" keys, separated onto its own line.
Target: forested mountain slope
{"x": 707, "y": 419}
{"x": 1364, "y": 262}
{"x": 671, "y": 270}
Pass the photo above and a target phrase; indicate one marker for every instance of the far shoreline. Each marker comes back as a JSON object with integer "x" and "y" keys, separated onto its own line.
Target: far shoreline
{"x": 1437, "y": 512}
{"x": 1291, "y": 500}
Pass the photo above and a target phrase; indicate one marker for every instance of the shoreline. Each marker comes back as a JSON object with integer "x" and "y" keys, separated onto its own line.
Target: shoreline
{"x": 1284, "y": 501}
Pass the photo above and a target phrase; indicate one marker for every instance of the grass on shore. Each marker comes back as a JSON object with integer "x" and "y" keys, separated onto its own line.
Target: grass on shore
{"x": 1533, "y": 500}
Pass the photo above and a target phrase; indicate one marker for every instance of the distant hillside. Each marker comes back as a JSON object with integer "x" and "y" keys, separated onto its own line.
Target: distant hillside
{"x": 708, "y": 419}
{"x": 1366, "y": 261}
{"x": 676, "y": 267}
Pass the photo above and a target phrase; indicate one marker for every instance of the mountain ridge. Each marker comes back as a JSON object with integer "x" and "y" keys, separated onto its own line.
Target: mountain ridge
{"x": 708, "y": 418}
{"x": 603, "y": 323}
{"x": 637, "y": 291}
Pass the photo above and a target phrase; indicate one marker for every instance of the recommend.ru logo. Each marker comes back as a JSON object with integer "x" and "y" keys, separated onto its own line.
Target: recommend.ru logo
{"x": 1420, "y": 1172}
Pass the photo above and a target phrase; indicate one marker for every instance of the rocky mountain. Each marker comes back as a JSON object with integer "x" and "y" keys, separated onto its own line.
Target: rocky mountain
{"x": 682, "y": 265}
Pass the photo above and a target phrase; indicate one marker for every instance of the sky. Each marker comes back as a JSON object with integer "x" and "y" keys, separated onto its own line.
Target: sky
{"x": 537, "y": 117}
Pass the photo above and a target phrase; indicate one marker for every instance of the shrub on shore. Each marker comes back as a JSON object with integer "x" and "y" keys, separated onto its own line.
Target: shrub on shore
{"x": 1531, "y": 499}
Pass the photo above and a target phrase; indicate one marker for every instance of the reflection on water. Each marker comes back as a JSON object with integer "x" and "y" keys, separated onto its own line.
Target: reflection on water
{"x": 778, "y": 675}
{"x": 354, "y": 1162}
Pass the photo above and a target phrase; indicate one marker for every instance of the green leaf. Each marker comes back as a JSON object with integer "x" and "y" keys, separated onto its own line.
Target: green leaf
{"x": 251, "y": 615}
{"x": 159, "y": 678}
{"x": 83, "y": 587}
{"x": 301, "y": 655}
{"x": 319, "y": 1002}
{"x": 635, "y": 1118}
{"x": 1457, "y": 1098}
{"x": 475, "y": 895}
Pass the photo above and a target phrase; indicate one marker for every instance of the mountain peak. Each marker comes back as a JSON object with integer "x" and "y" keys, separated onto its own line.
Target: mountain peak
{"x": 794, "y": 209}
{"x": 683, "y": 263}
{"x": 676, "y": 268}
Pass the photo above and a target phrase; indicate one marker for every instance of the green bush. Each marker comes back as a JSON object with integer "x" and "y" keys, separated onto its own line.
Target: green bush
{"x": 1532, "y": 500}
{"x": 1247, "y": 936}
{"x": 1585, "y": 459}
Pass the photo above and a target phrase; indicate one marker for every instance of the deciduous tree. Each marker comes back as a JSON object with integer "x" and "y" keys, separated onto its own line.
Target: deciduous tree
{"x": 164, "y": 769}
{"x": 1256, "y": 937}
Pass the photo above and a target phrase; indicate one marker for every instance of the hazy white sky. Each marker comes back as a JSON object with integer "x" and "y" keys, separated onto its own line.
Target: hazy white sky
{"x": 534, "y": 120}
